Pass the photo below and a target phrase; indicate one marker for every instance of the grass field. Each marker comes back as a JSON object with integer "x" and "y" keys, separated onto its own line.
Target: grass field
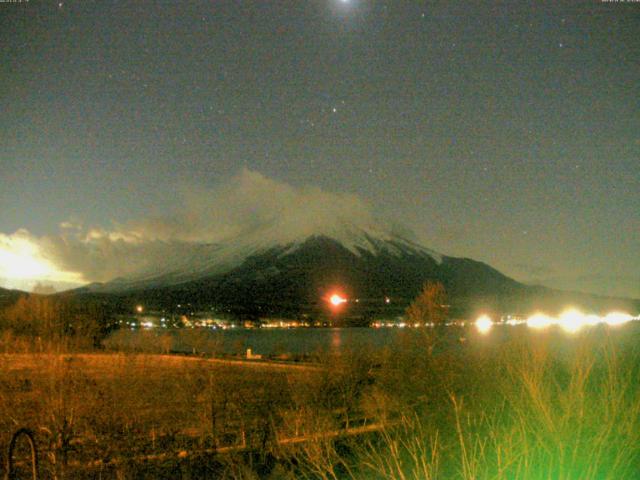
{"x": 113, "y": 408}
{"x": 533, "y": 406}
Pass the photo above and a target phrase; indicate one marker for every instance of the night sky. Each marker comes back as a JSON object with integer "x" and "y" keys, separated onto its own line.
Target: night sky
{"x": 505, "y": 133}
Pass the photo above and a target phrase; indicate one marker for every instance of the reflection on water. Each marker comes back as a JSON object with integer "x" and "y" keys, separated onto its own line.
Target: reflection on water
{"x": 300, "y": 341}
{"x": 310, "y": 341}
{"x": 336, "y": 338}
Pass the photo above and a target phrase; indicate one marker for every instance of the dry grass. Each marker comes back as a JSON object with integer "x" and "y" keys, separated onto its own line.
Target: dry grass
{"x": 534, "y": 407}
{"x": 106, "y": 406}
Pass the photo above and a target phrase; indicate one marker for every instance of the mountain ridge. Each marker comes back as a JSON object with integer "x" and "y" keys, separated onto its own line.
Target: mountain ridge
{"x": 296, "y": 279}
{"x": 215, "y": 258}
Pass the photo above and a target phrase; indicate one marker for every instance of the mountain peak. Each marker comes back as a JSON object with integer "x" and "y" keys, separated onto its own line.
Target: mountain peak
{"x": 207, "y": 260}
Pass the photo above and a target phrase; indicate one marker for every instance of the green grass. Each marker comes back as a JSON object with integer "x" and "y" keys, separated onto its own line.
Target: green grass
{"x": 538, "y": 406}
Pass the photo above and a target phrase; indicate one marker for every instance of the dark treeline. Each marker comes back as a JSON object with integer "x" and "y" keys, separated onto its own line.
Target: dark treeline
{"x": 57, "y": 319}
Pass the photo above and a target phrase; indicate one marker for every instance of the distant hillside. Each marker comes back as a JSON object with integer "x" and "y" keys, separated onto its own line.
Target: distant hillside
{"x": 8, "y": 297}
{"x": 379, "y": 276}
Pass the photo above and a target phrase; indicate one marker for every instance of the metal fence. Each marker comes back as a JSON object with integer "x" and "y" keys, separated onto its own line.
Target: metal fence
{"x": 11, "y": 466}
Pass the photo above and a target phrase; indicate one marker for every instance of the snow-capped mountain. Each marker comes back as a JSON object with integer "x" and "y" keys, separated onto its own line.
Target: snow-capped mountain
{"x": 188, "y": 262}
{"x": 257, "y": 275}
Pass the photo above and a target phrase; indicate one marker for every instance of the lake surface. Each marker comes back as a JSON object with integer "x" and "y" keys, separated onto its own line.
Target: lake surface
{"x": 299, "y": 341}
{"x": 310, "y": 341}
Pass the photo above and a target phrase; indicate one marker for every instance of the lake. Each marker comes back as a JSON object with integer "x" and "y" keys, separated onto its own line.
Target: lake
{"x": 309, "y": 341}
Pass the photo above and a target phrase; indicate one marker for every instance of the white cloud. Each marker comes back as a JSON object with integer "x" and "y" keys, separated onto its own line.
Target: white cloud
{"x": 230, "y": 212}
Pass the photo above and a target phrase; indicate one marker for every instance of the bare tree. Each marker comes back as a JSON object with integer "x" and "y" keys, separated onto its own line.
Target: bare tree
{"x": 430, "y": 306}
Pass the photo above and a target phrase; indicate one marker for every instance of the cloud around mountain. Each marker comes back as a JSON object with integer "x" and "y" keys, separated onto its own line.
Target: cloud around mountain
{"x": 246, "y": 205}
{"x": 248, "y": 210}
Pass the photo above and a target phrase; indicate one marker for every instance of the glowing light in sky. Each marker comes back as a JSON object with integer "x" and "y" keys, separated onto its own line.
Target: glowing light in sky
{"x": 484, "y": 324}
{"x": 23, "y": 262}
{"x": 21, "y": 259}
{"x": 344, "y": 4}
{"x": 336, "y": 300}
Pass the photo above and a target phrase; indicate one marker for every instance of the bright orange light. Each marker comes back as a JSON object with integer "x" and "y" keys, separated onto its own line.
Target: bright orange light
{"x": 139, "y": 309}
{"x": 336, "y": 300}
